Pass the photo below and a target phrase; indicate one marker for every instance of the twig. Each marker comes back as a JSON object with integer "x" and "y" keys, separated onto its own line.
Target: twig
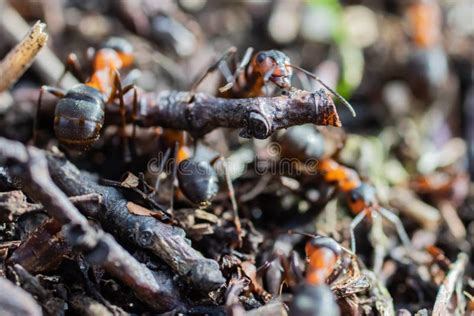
{"x": 452, "y": 220}
{"x": 47, "y": 64}
{"x": 446, "y": 290}
{"x": 98, "y": 247}
{"x": 51, "y": 304}
{"x": 167, "y": 242}
{"x": 16, "y": 301}
{"x": 21, "y": 57}
{"x": 406, "y": 202}
{"x": 259, "y": 117}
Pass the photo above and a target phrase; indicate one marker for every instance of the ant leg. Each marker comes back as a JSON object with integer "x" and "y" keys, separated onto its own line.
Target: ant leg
{"x": 355, "y": 222}
{"x": 233, "y": 200}
{"x": 160, "y": 170}
{"x": 134, "y": 115}
{"x": 173, "y": 177}
{"x": 73, "y": 66}
{"x": 219, "y": 64}
{"x": 395, "y": 220}
{"x": 239, "y": 68}
{"x": 117, "y": 89}
{"x": 54, "y": 91}
{"x": 340, "y": 97}
{"x": 134, "y": 119}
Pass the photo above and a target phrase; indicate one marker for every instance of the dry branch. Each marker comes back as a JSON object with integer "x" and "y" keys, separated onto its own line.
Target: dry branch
{"x": 258, "y": 117}
{"x": 99, "y": 248}
{"x": 19, "y": 59}
{"x": 48, "y": 65}
{"x": 166, "y": 241}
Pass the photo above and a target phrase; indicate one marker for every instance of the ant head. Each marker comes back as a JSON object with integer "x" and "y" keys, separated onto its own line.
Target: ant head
{"x": 273, "y": 65}
{"x": 362, "y": 197}
{"x": 322, "y": 242}
{"x": 122, "y": 47}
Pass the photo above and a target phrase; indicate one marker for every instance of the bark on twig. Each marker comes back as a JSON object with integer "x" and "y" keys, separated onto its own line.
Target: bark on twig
{"x": 98, "y": 247}
{"x": 166, "y": 241}
{"x": 19, "y": 59}
{"x": 43, "y": 250}
{"x": 258, "y": 117}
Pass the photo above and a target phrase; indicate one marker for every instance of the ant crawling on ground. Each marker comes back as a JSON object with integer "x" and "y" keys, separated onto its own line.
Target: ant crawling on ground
{"x": 303, "y": 143}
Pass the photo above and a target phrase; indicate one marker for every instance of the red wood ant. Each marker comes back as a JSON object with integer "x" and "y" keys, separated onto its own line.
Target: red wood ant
{"x": 303, "y": 143}
{"x": 197, "y": 179}
{"x": 322, "y": 254}
{"x": 361, "y": 197}
{"x": 325, "y": 263}
{"x": 79, "y": 114}
{"x": 254, "y": 71}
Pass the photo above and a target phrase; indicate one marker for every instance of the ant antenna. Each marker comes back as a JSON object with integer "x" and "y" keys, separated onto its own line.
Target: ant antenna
{"x": 340, "y": 97}
{"x": 295, "y": 232}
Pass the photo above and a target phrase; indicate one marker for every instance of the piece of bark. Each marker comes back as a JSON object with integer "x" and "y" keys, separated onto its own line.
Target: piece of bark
{"x": 12, "y": 205}
{"x": 44, "y": 249}
{"x": 47, "y": 65}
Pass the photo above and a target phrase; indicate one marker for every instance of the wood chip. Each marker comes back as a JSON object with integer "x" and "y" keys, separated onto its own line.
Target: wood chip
{"x": 20, "y": 58}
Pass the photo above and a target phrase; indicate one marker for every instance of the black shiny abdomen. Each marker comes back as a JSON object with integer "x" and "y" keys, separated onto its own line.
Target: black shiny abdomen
{"x": 79, "y": 116}
{"x": 198, "y": 181}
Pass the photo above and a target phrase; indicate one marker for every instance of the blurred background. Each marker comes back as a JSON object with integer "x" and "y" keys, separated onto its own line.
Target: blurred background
{"x": 406, "y": 67}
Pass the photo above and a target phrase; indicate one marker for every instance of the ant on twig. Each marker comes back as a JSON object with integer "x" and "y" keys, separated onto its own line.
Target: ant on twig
{"x": 253, "y": 72}
{"x": 79, "y": 114}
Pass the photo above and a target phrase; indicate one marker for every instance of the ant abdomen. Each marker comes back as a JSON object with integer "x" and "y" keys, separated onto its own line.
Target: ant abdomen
{"x": 198, "y": 181}
{"x": 79, "y": 117}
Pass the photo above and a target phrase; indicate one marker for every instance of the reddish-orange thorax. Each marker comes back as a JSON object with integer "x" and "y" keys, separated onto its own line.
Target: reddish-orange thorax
{"x": 173, "y": 137}
{"x": 321, "y": 263}
{"x": 345, "y": 178}
{"x": 106, "y": 62}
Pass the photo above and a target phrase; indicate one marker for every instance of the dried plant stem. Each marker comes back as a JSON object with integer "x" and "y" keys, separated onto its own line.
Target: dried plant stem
{"x": 446, "y": 290}
{"x": 47, "y": 65}
{"x": 20, "y": 58}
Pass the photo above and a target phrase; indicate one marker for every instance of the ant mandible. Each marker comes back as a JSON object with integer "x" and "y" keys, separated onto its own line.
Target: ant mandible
{"x": 79, "y": 114}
